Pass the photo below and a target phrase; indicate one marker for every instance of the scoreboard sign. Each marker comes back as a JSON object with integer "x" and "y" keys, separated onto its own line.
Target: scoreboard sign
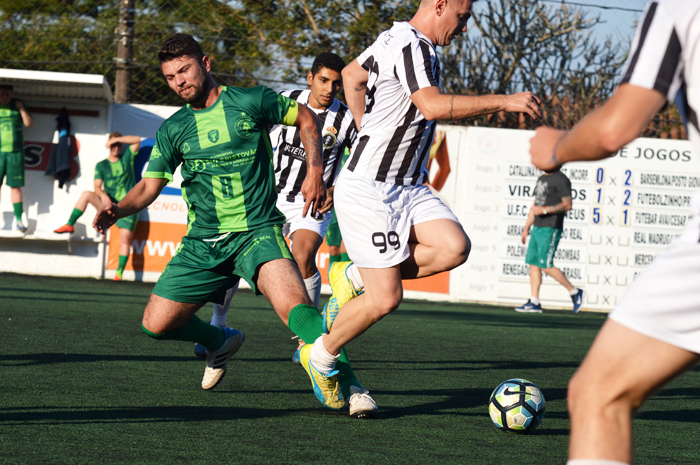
{"x": 626, "y": 210}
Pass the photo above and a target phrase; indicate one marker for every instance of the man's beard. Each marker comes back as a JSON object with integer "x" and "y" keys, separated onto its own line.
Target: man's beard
{"x": 200, "y": 93}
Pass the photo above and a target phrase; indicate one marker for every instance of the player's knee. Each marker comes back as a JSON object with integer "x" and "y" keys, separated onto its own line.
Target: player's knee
{"x": 307, "y": 266}
{"x": 458, "y": 250}
{"x": 591, "y": 395}
{"x": 154, "y": 335}
{"x": 464, "y": 250}
{"x": 573, "y": 395}
{"x": 385, "y": 304}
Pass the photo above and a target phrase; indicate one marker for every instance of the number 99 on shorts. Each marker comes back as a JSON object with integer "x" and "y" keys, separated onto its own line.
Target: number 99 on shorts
{"x": 384, "y": 241}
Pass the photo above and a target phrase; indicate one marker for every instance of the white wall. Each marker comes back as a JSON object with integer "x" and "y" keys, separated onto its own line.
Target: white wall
{"x": 47, "y": 207}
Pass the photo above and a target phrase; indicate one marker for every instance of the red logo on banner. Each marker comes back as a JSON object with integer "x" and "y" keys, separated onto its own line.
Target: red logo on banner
{"x": 36, "y": 156}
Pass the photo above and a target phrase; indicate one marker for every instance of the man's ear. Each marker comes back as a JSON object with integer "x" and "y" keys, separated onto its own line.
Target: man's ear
{"x": 309, "y": 78}
{"x": 206, "y": 63}
{"x": 440, "y": 7}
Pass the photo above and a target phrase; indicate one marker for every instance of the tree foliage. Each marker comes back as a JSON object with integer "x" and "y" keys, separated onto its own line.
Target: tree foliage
{"x": 524, "y": 45}
{"x": 513, "y": 45}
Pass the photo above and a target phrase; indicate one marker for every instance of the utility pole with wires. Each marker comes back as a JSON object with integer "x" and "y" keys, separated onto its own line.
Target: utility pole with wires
{"x": 125, "y": 51}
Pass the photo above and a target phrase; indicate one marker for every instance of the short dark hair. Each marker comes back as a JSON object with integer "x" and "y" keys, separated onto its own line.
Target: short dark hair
{"x": 179, "y": 45}
{"x": 6, "y": 87}
{"x": 327, "y": 60}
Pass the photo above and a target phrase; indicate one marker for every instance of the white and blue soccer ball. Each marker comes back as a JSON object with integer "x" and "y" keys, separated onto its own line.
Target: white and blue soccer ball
{"x": 516, "y": 406}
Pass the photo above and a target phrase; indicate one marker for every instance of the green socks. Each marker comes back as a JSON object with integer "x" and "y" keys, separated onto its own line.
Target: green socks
{"x": 305, "y": 322}
{"x": 122, "y": 263}
{"x": 344, "y": 257}
{"x": 195, "y": 330}
{"x": 74, "y": 217}
{"x": 332, "y": 259}
{"x": 17, "y": 207}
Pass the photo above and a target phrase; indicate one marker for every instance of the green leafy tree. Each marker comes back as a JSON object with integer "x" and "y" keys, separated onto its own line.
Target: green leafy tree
{"x": 518, "y": 45}
{"x": 298, "y": 30}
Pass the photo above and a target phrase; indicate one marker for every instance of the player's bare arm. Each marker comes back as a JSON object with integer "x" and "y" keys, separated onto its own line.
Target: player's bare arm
{"x": 313, "y": 189}
{"x": 133, "y": 141}
{"x": 562, "y": 207}
{"x": 528, "y": 223}
{"x": 27, "y": 119}
{"x": 600, "y": 134}
{"x": 138, "y": 198}
{"x": 355, "y": 87}
{"x": 436, "y": 106}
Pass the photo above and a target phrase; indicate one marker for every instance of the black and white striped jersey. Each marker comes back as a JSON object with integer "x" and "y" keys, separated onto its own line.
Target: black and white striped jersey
{"x": 665, "y": 56}
{"x": 338, "y": 132}
{"x": 394, "y": 141}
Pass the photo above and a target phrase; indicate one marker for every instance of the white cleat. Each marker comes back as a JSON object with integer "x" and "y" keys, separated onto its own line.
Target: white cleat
{"x": 361, "y": 404}
{"x": 218, "y": 361}
{"x": 19, "y": 226}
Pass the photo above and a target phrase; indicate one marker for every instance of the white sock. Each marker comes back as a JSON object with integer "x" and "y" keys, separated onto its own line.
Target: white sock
{"x": 594, "y": 462}
{"x": 220, "y": 311}
{"x": 313, "y": 288}
{"x": 354, "y": 275}
{"x": 573, "y": 291}
{"x": 535, "y": 300}
{"x": 320, "y": 358}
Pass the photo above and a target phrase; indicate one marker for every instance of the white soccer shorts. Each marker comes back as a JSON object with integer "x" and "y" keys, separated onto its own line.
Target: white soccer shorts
{"x": 375, "y": 218}
{"x": 295, "y": 221}
{"x": 664, "y": 301}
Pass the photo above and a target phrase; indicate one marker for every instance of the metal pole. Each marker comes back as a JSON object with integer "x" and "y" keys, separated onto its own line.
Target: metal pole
{"x": 125, "y": 49}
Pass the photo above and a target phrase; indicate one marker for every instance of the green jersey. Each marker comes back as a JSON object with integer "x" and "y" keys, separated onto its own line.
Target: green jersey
{"x": 117, "y": 178}
{"x": 11, "y": 139}
{"x": 226, "y": 157}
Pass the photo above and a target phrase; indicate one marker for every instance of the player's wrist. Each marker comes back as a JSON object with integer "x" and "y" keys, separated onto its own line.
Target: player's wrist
{"x": 556, "y": 160}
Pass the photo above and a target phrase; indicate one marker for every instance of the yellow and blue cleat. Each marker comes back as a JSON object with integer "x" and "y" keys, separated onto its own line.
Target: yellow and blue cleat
{"x": 296, "y": 358}
{"x": 343, "y": 292}
{"x": 326, "y": 387}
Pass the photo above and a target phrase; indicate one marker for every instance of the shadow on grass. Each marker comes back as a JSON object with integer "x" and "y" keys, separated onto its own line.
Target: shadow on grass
{"x": 22, "y": 360}
{"x": 154, "y": 414}
{"x": 455, "y": 365}
{"x": 48, "y": 293}
{"x": 559, "y": 320}
{"x": 685, "y": 416}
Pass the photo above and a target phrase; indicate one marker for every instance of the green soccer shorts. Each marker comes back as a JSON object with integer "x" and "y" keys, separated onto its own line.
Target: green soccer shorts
{"x": 12, "y": 165}
{"x": 542, "y": 247}
{"x": 128, "y": 222}
{"x": 203, "y": 270}
{"x": 333, "y": 237}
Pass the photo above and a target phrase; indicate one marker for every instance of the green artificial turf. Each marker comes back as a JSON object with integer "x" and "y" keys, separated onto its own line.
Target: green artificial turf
{"x": 80, "y": 383}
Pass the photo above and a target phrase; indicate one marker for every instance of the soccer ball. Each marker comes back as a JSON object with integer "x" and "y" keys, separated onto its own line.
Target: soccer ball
{"x": 516, "y": 406}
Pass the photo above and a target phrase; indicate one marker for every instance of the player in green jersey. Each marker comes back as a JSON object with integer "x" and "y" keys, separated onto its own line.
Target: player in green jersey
{"x": 221, "y": 144}
{"x": 114, "y": 177}
{"x": 13, "y": 116}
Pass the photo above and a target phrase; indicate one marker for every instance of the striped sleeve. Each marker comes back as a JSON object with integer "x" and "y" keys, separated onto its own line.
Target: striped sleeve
{"x": 655, "y": 57}
{"x": 366, "y": 58}
{"x": 415, "y": 66}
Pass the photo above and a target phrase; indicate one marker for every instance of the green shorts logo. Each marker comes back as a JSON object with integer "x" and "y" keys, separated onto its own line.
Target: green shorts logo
{"x": 185, "y": 147}
{"x": 213, "y": 135}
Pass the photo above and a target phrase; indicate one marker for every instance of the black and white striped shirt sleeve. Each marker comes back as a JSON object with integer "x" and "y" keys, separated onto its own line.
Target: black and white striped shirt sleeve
{"x": 415, "y": 66}
{"x": 655, "y": 57}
